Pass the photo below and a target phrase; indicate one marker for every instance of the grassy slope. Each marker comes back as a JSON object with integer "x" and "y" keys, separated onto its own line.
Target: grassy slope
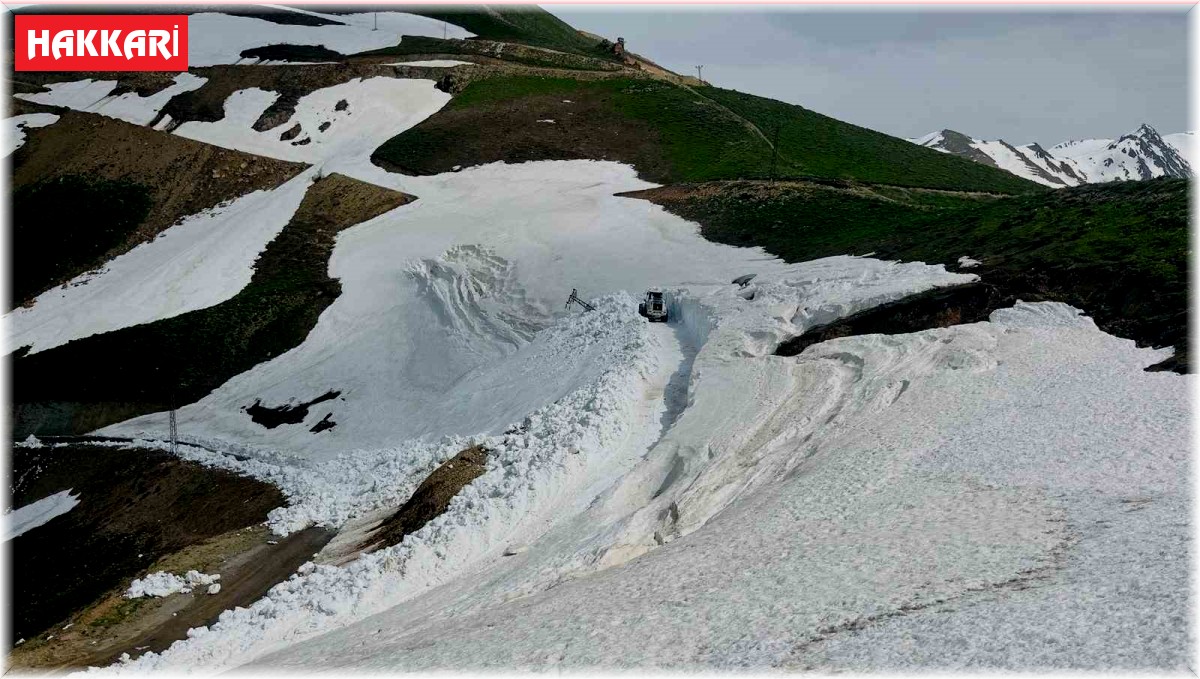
{"x": 696, "y": 139}
{"x": 1118, "y": 251}
{"x": 526, "y": 24}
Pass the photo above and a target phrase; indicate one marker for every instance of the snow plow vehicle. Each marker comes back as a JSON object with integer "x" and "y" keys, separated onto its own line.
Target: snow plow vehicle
{"x": 653, "y": 308}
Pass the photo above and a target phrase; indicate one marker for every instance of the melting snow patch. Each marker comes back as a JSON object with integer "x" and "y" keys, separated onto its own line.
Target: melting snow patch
{"x": 203, "y": 260}
{"x": 965, "y": 262}
{"x": 25, "y": 519}
{"x": 94, "y": 96}
{"x": 15, "y": 129}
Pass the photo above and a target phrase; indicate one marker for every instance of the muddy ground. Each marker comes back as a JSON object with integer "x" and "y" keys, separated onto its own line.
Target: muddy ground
{"x": 135, "y": 507}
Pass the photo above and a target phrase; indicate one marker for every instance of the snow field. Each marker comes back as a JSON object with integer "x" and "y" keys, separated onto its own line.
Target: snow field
{"x": 378, "y": 109}
{"x": 201, "y": 261}
{"x": 94, "y": 96}
{"x": 217, "y": 38}
{"x": 677, "y": 496}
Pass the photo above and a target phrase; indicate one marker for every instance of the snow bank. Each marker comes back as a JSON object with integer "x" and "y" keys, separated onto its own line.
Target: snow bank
{"x": 203, "y": 260}
{"x": 24, "y": 519}
{"x": 14, "y": 128}
{"x": 94, "y": 96}
{"x": 378, "y": 109}
{"x": 216, "y": 38}
{"x": 163, "y": 584}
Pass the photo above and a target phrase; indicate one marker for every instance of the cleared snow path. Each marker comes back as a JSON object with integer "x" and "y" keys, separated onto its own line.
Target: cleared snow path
{"x": 24, "y": 519}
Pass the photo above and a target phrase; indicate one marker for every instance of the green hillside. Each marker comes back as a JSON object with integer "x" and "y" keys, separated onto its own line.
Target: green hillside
{"x": 525, "y": 24}
{"x": 671, "y": 134}
{"x": 1119, "y": 251}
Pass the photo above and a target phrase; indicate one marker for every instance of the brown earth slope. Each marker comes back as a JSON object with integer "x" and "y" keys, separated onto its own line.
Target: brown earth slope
{"x": 179, "y": 176}
{"x": 99, "y": 380}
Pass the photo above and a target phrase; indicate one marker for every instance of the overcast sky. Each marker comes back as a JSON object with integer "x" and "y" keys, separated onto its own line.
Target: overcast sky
{"x": 1044, "y": 76}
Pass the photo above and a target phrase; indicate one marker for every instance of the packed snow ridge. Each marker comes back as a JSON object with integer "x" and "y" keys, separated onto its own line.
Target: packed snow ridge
{"x": 1141, "y": 154}
{"x": 1023, "y": 475}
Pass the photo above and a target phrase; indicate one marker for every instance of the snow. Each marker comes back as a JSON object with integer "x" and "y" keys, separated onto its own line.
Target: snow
{"x": 216, "y": 38}
{"x": 436, "y": 63}
{"x": 15, "y": 129}
{"x": 94, "y": 96}
{"x": 24, "y": 519}
{"x": 162, "y": 583}
{"x": 203, "y": 260}
{"x": 675, "y": 495}
{"x": 379, "y": 109}
{"x": 966, "y": 262}
{"x": 1185, "y": 144}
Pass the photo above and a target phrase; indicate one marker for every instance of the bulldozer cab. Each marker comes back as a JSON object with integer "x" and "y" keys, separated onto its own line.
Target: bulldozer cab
{"x": 654, "y": 308}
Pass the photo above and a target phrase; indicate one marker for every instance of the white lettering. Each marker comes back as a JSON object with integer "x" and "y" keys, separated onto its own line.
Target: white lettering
{"x": 63, "y": 41}
{"x": 35, "y": 40}
{"x": 135, "y": 42}
{"x": 108, "y": 43}
{"x": 83, "y": 44}
{"x": 158, "y": 43}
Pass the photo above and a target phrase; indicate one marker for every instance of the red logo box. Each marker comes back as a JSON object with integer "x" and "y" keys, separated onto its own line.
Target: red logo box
{"x": 101, "y": 42}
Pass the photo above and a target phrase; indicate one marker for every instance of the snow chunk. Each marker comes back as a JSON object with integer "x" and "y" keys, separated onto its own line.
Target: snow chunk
{"x": 162, "y": 583}
{"x": 966, "y": 262}
{"x": 25, "y": 519}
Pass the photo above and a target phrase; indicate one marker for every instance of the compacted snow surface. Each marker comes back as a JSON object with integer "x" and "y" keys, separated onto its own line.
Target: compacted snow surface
{"x": 1010, "y": 493}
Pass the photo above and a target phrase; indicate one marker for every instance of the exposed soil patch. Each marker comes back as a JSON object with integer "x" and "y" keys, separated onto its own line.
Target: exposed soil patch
{"x": 324, "y": 424}
{"x": 135, "y": 507}
{"x": 178, "y": 177}
{"x": 292, "y": 53}
{"x": 271, "y": 417}
{"x": 430, "y": 498}
{"x": 939, "y": 308}
{"x": 107, "y": 378}
{"x": 1118, "y": 251}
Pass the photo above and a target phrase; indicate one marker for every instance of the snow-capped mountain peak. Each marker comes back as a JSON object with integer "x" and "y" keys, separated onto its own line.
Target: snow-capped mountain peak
{"x": 1140, "y": 154}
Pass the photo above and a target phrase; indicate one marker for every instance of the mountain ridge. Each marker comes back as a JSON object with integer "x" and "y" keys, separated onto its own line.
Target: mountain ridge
{"x": 1137, "y": 155}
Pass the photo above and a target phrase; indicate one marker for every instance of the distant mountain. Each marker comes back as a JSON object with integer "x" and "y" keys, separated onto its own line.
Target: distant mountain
{"x": 1141, "y": 154}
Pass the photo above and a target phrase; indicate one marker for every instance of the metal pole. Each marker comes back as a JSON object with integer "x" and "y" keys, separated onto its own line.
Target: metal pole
{"x": 774, "y": 152}
{"x": 700, "y": 74}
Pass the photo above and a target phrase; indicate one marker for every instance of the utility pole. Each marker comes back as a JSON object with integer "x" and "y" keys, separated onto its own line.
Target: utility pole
{"x": 700, "y": 74}
{"x": 775, "y": 152}
{"x": 174, "y": 433}
{"x": 376, "y": 15}
{"x": 445, "y": 27}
